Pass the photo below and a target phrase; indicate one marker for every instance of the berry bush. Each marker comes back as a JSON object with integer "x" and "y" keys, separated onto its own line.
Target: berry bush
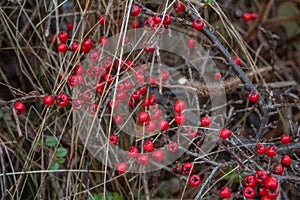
{"x": 149, "y": 99}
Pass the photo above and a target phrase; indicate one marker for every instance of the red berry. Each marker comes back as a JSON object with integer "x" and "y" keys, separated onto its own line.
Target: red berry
{"x": 179, "y": 106}
{"x": 113, "y": 103}
{"x": 87, "y": 95}
{"x": 271, "y": 183}
{"x": 135, "y": 10}
{"x": 149, "y": 23}
{"x": 225, "y": 192}
{"x": 19, "y": 106}
{"x": 237, "y": 60}
{"x": 133, "y": 152}
{"x": 248, "y": 192}
{"x": 178, "y": 6}
{"x": 48, "y": 100}
{"x": 143, "y": 159}
{"x": 253, "y": 96}
{"x": 153, "y": 100}
{"x": 121, "y": 167}
{"x": 217, "y": 76}
{"x": 136, "y": 94}
{"x": 180, "y": 118}
{"x": 271, "y": 151}
{"x": 172, "y": 147}
{"x": 198, "y": 24}
{"x": 194, "y": 180}
{"x": 145, "y": 102}
{"x": 187, "y": 167}
{"x": 74, "y": 46}
{"x": 167, "y": 19}
{"x": 249, "y": 181}
{"x": 285, "y": 139}
{"x": 148, "y": 145}
{"x": 76, "y": 104}
{"x": 73, "y": 81}
{"x": 143, "y": 116}
{"x": 118, "y": 119}
{"x": 158, "y": 18}
{"x": 278, "y": 169}
{"x": 163, "y": 125}
{"x": 69, "y": 26}
{"x": 273, "y": 193}
{"x": 113, "y": 139}
{"x": 260, "y": 148}
{"x": 286, "y": 159}
{"x": 191, "y": 42}
{"x": 158, "y": 155}
{"x": 135, "y": 24}
{"x": 260, "y": 176}
{"x": 165, "y": 74}
{"x": 93, "y": 108}
{"x": 155, "y": 113}
{"x": 62, "y": 36}
{"x": 103, "y": 40}
{"x": 121, "y": 95}
{"x": 205, "y": 121}
{"x": 262, "y": 191}
{"x": 246, "y": 16}
{"x": 78, "y": 70}
{"x": 177, "y": 168}
{"x": 253, "y": 16}
{"x": 87, "y": 44}
{"x": 62, "y": 47}
{"x": 129, "y": 65}
{"x": 225, "y": 133}
{"x": 62, "y": 99}
{"x": 148, "y": 47}
{"x": 102, "y": 19}
{"x": 192, "y": 132}
{"x": 150, "y": 126}
{"x": 265, "y": 197}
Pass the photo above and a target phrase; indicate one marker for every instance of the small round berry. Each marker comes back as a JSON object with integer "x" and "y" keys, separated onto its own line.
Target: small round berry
{"x": 253, "y": 96}
{"x": 145, "y": 102}
{"x": 62, "y": 99}
{"x": 265, "y": 197}
{"x": 148, "y": 47}
{"x": 73, "y": 81}
{"x": 153, "y": 100}
{"x": 260, "y": 176}
{"x": 121, "y": 167}
{"x": 135, "y": 10}
{"x": 285, "y": 139}
{"x": 194, "y": 180}
{"x": 155, "y": 113}
{"x": 158, "y": 18}
{"x": 62, "y": 36}
{"x": 192, "y": 132}
{"x": 118, "y": 119}
{"x": 278, "y": 169}
{"x": 260, "y": 148}
{"x": 158, "y": 155}
{"x": 62, "y": 47}
{"x": 198, "y": 24}
{"x": 187, "y": 167}
{"x": 237, "y": 60}
{"x": 180, "y": 118}
{"x": 74, "y": 46}
{"x": 133, "y": 152}
{"x": 136, "y": 94}
{"x": 225, "y": 133}
{"x": 69, "y": 26}
{"x": 143, "y": 116}
{"x": 249, "y": 181}
{"x": 113, "y": 103}
{"x": 103, "y": 40}
{"x": 128, "y": 65}
{"x": 76, "y": 104}
{"x": 205, "y": 121}
{"x": 149, "y": 23}
{"x": 246, "y": 16}
{"x": 286, "y": 159}
{"x": 150, "y": 126}
{"x": 113, "y": 139}
{"x": 121, "y": 95}
{"x": 179, "y": 106}
{"x": 163, "y": 125}
{"x": 48, "y": 100}
{"x": 178, "y": 6}
{"x": 135, "y": 24}
{"x": 102, "y": 19}
{"x": 165, "y": 74}
{"x": 273, "y": 193}
{"x": 172, "y": 147}
{"x": 225, "y": 192}
{"x": 148, "y": 145}
{"x": 271, "y": 183}
{"x": 217, "y": 75}
{"x": 271, "y": 151}
{"x": 177, "y": 168}
{"x": 262, "y": 191}
{"x": 248, "y": 192}
{"x": 191, "y": 42}
{"x": 253, "y": 16}
{"x": 78, "y": 70}
{"x": 19, "y": 106}
{"x": 87, "y": 95}
{"x": 143, "y": 159}
{"x": 167, "y": 19}
{"x": 87, "y": 43}
{"x": 93, "y": 108}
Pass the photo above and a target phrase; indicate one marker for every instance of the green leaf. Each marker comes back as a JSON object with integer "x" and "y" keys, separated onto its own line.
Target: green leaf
{"x": 289, "y": 9}
{"x": 61, "y": 152}
{"x": 51, "y": 141}
{"x": 1, "y": 114}
{"x": 54, "y": 166}
{"x": 61, "y": 160}
{"x": 207, "y": 1}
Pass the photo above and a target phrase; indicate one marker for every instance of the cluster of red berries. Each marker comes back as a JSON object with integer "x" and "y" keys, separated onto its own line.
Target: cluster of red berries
{"x": 248, "y": 16}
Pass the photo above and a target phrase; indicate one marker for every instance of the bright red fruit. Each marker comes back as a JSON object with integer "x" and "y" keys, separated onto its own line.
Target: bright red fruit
{"x": 167, "y": 19}
{"x": 180, "y": 118}
{"x": 143, "y": 116}
{"x": 103, "y": 40}
{"x": 74, "y": 46}
{"x": 93, "y": 108}
{"x": 121, "y": 167}
{"x": 260, "y": 148}
{"x": 198, "y": 24}
{"x": 253, "y": 96}
{"x": 19, "y": 106}
{"x": 158, "y": 155}
{"x": 205, "y": 121}
{"x": 253, "y": 16}
{"x": 69, "y": 26}
{"x": 271, "y": 183}
{"x": 192, "y": 132}
{"x": 150, "y": 126}
{"x": 143, "y": 159}
{"x": 172, "y": 147}
{"x": 178, "y": 6}
{"x": 194, "y": 180}
{"x": 148, "y": 145}
{"x": 248, "y": 192}
{"x": 102, "y": 19}
{"x": 191, "y": 42}
{"x": 133, "y": 152}
{"x": 149, "y": 23}
{"x": 158, "y": 18}
{"x": 225, "y": 133}
{"x": 246, "y": 16}
{"x": 78, "y": 70}
{"x": 285, "y": 139}
{"x": 273, "y": 193}
{"x": 286, "y": 159}
{"x": 225, "y": 192}
{"x": 135, "y": 10}
{"x": 48, "y": 100}
{"x": 278, "y": 169}
{"x": 249, "y": 181}
{"x": 87, "y": 95}
{"x": 260, "y": 176}
{"x": 165, "y": 74}
{"x": 163, "y": 125}
{"x": 73, "y": 81}
{"x": 62, "y": 47}
{"x": 155, "y": 113}
{"x": 153, "y": 100}
{"x": 113, "y": 139}
{"x": 76, "y": 104}
{"x": 237, "y": 60}
{"x": 179, "y": 106}
{"x": 187, "y": 167}
{"x": 63, "y": 36}
{"x": 271, "y": 151}
{"x": 62, "y": 99}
